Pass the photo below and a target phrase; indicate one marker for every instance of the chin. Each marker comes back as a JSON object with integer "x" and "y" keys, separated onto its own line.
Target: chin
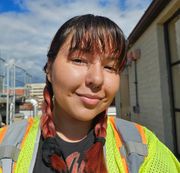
{"x": 86, "y": 115}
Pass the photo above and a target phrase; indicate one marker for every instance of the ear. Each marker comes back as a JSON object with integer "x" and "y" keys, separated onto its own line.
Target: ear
{"x": 49, "y": 70}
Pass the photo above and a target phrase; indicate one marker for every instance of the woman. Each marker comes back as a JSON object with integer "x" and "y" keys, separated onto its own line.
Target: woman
{"x": 82, "y": 77}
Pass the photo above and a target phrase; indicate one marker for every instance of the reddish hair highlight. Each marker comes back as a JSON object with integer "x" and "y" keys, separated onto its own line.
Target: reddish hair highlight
{"x": 96, "y": 151}
{"x": 48, "y": 127}
{"x": 57, "y": 163}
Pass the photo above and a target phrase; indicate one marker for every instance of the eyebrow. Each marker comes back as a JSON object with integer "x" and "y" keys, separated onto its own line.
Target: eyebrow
{"x": 110, "y": 57}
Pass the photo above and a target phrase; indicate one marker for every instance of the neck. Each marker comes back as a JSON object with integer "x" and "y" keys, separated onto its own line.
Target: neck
{"x": 70, "y": 129}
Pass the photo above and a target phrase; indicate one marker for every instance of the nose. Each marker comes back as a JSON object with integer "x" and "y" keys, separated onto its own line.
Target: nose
{"x": 95, "y": 77}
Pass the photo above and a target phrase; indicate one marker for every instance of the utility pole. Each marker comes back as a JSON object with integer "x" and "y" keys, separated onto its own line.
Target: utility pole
{"x": 7, "y": 96}
{"x": 14, "y": 93}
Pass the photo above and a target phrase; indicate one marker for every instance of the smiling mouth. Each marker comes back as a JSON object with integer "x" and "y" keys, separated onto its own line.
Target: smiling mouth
{"x": 89, "y": 100}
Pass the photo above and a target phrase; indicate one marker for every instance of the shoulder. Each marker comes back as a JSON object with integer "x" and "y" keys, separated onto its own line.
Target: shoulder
{"x": 128, "y": 130}
{"x": 21, "y": 123}
{"x": 131, "y": 134}
{"x": 19, "y": 128}
{"x": 119, "y": 121}
{"x": 130, "y": 127}
{"x": 159, "y": 156}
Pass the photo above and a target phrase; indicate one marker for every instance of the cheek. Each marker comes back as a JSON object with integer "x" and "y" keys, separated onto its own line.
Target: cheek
{"x": 112, "y": 85}
{"x": 66, "y": 79}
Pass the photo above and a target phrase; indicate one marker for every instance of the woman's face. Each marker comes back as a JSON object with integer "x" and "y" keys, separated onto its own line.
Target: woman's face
{"x": 84, "y": 83}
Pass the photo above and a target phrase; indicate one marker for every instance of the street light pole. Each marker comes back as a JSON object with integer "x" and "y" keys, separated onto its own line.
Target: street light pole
{"x": 14, "y": 93}
{"x": 7, "y": 97}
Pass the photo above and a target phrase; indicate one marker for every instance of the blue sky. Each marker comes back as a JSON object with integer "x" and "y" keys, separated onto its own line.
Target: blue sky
{"x": 9, "y": 6}
{"x": 27, "y": 26}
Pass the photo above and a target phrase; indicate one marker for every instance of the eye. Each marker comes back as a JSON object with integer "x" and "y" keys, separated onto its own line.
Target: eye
{"x": 111, "y": 69}
{"x": 79, "y": 61}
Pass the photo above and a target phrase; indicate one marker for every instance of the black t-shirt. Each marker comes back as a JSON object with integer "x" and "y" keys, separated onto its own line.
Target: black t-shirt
{"x": 72, "y": 153}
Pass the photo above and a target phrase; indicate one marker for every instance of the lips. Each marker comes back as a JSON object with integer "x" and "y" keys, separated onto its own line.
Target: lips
{"x": 89, "y": 99}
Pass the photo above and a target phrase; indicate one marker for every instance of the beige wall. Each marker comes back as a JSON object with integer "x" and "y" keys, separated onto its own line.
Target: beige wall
{"x": 148, "y": 77}
{"x": 124, "y": 96}
{"x": 152, "y": 75}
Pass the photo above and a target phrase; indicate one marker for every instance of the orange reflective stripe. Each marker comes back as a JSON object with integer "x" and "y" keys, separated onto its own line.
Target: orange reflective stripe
{"x": 125, "y": 165}
{"x": 141, "y": 132}
{"x": 117, "y": 137}
{"x": 119, "y": 143}
{"x": 2, "y": 133}
{"x": 14, "y": 167}
{"x": 30, "y": 123}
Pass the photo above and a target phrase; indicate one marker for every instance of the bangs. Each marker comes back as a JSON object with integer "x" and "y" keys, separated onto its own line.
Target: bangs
{"x": 94, "y": 34}
{"x": 99, "y": 36}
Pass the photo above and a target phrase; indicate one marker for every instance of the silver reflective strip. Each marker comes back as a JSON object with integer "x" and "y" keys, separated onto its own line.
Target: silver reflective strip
{"x": 15, "y": 133}
{"x": 9, "y": 152}
{"x": 12, "y": 140}
{"x": 6, "y": 165}
{"x": 128, "y": 130}
{"x": 36, "y": 145}
{"x": 135, "y": 162}
{"x": 123, "y": 152}
{"x": 136, "y": 147}
{"x": 133, "y": 149}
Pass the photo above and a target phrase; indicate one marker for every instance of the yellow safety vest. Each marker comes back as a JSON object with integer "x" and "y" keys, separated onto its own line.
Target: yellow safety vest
{"x": 159, "y": 158}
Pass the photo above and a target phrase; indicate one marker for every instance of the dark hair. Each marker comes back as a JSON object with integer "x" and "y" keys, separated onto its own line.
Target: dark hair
{"x": 93, "y": 34}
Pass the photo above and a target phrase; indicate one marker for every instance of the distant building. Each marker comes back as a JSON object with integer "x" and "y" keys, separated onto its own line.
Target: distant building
{"x": 35, "y": 90}
{"x": 154, "y": 72}
{"x": 20, "y": 91}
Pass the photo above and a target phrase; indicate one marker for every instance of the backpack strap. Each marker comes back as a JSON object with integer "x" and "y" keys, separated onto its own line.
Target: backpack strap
{"x": 133, "y": 148}
{"x": 10, "y": 146}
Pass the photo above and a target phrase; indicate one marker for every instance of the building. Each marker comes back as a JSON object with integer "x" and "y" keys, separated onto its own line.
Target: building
{"x": 153, "y": 82}
{"x": 36, "y": 91}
